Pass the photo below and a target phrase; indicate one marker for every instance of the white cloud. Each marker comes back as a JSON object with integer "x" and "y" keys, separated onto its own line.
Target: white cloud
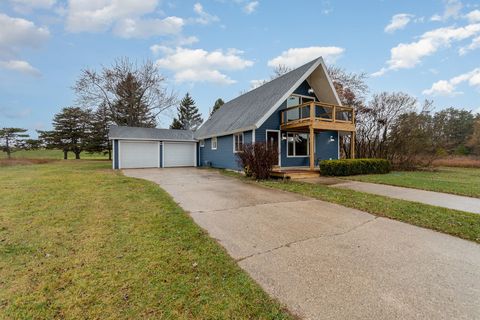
{"x": 198, "y": 65}
{"x": 19, "y": 66}
{"x": 452, "y": 10}
{"x": 177, "y": 42}
{"x": 250, "y": 7}
{"x": 25, "y": 6}
{"x": 144, "y": 28}
{"x": 473, "y": 16}
{"x": 295, "y": 57}
{"x": 408, "y": 55}
{"x": 398, "y": 22}
{"x": 17, "y": 33}
{"x": 475, "y": 44}
{"x": 448, "y": 87}
{"x": 124, "y": 17}
{"x": 203, "y": 16}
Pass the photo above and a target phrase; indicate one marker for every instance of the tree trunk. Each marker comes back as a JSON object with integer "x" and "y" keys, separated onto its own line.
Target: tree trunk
{"x": 77, "y": 155}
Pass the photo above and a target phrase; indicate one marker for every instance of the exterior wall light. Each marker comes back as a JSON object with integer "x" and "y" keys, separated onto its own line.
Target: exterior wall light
{"x": 332, "y": 139}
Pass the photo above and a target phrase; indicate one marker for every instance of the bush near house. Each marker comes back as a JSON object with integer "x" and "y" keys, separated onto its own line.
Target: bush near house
{"x": 257, "y": 160}
{"x": 349, "y": 167}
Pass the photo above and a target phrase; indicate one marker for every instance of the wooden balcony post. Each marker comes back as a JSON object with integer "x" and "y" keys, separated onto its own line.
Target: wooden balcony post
{"x": 312, "y": 111}
{"x": 334, "y": 113}
{"x": 352, "y": 145}
{"x": 312, "y": 148}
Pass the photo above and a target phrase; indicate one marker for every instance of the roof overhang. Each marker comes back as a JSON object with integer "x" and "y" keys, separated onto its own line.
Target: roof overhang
{"x": 317, "y": 77}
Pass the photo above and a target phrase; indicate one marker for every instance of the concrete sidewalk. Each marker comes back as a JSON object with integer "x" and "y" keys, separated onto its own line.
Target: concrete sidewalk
{"x": 326, "y": 261}
{"x": 438, "y": 199}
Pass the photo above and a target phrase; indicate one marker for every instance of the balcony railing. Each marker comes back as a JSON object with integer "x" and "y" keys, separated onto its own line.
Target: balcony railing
{"x": 317, "y": 112}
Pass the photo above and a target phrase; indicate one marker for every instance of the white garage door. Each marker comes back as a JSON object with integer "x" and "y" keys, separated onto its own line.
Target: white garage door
{"x": 135, "y": 154}
{"x": 179, "y": 154}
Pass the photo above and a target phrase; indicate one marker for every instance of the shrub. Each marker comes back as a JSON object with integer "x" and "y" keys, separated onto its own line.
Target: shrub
{"x": 257, "y": 160}
{"x": 349, "y": 167}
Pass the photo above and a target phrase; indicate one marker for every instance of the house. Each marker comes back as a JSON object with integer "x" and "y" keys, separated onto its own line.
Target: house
{"x": 299, "y": 113}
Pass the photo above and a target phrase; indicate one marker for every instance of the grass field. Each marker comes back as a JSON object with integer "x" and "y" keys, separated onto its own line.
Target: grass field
{"x": 461, "y": 181}
{"x": 51, "y": 154}
{"x": 456, "y": 223}
{"x": 79, "y": 241}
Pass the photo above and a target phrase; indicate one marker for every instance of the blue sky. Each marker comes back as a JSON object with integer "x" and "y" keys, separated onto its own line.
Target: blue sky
{"x": 218, "y": 48}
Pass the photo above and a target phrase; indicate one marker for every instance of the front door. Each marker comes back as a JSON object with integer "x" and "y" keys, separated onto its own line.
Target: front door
{"x": 273, "y": 141}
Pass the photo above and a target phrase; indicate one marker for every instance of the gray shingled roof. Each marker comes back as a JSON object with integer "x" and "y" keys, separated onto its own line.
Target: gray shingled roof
{"x": 246, "y": 110}
{"x": 117, "y": 132}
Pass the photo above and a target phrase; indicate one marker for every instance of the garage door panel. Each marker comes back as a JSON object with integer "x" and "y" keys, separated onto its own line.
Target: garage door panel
{"x": 179, "y": 154}
{"x": 143, "y": 154}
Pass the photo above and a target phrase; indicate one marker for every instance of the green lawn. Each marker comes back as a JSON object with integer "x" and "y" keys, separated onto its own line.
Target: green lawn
{"x": 461, "y": 181}
{"x": 456, "y": 223}
{"x": 51, "y": 154}
{"x": 79, "y": 241}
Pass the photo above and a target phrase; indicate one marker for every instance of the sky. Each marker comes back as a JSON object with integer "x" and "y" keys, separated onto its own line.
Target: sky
{"x": 219, "y": 48}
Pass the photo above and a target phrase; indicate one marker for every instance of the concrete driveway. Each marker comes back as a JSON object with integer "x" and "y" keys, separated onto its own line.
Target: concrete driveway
{"x": 325, "y": 261}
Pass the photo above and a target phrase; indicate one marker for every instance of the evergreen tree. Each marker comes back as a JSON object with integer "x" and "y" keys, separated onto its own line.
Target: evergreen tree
{"x": 97, "y": 140}
{"x": 130, "y": 107}
{"x": 70, "y": 131}
{"x": 11, "y": 138}
{"x": 218, "y": 103}
{"x": 188, "y": 117}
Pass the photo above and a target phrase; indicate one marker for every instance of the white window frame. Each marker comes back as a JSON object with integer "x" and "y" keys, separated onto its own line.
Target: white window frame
{"x": 212, "y": 144}
{"x": 202, "y": 143}
{"x": 235, "y": 135}
{"x": 308, "y": 145}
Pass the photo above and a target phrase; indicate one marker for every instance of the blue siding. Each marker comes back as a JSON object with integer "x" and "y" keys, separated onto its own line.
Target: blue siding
{"x": 115, "y": 154}
{"x": 223, "y": 157}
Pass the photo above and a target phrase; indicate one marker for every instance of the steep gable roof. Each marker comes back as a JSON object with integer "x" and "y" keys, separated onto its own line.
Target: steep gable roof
{"x": 249, "y": 110}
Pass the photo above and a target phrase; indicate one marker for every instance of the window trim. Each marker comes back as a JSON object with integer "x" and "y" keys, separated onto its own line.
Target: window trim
{"x": 243, "y": 141}
{"x": 308, "y": 145}
{"x": 216, "y": 143}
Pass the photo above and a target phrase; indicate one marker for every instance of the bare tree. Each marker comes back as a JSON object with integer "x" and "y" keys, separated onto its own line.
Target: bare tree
{"x": 107, "y": 86}
{"x": 375, "y": 120}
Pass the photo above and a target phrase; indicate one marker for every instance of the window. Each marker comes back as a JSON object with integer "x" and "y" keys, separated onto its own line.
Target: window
{"x": 298, "y": 113}
{"x": 297, "y": 144}
{"x": 202, "y": 143}
{"x": 238, "y": 142}
{"x": 214, "y": 143}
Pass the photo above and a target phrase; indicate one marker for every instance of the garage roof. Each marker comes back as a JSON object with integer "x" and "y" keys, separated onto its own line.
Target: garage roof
{"x": 135, "y": 133}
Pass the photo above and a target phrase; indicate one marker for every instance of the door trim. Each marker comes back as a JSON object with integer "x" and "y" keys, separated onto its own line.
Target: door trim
{"x": 279, "y": 144}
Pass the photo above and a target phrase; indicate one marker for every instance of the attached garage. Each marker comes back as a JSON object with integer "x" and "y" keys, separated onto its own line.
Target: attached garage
{"x": 152, "y": 148}
{"x": 179, "y": 154}
{"x": 139, "y": 154}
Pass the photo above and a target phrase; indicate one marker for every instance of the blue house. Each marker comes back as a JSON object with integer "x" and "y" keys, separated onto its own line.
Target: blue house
{"x": 298, "y": 113}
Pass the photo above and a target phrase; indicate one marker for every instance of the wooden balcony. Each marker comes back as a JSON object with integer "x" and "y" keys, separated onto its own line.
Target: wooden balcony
{"x": 315, "y": 116}
{"x": 319, "y": 115}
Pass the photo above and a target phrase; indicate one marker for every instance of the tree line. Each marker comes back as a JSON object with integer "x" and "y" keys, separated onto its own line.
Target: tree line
{"x": 124, "y": 94}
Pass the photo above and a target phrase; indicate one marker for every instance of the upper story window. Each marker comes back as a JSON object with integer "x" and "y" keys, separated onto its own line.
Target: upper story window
{"x": 238, "y": 142}
{"x": 214, "y": 143}
{"x": 298, "y": 113}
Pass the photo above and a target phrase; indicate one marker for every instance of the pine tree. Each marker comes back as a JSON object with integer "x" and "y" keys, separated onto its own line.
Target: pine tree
{"x": 11, "y": 138}
{"x": 188, "y": 117}
{"x": 218, "y": 103}
{"x": 130, "y": 107}
{"x": 70, "y": 131}
{"x": 99, "y": 126}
